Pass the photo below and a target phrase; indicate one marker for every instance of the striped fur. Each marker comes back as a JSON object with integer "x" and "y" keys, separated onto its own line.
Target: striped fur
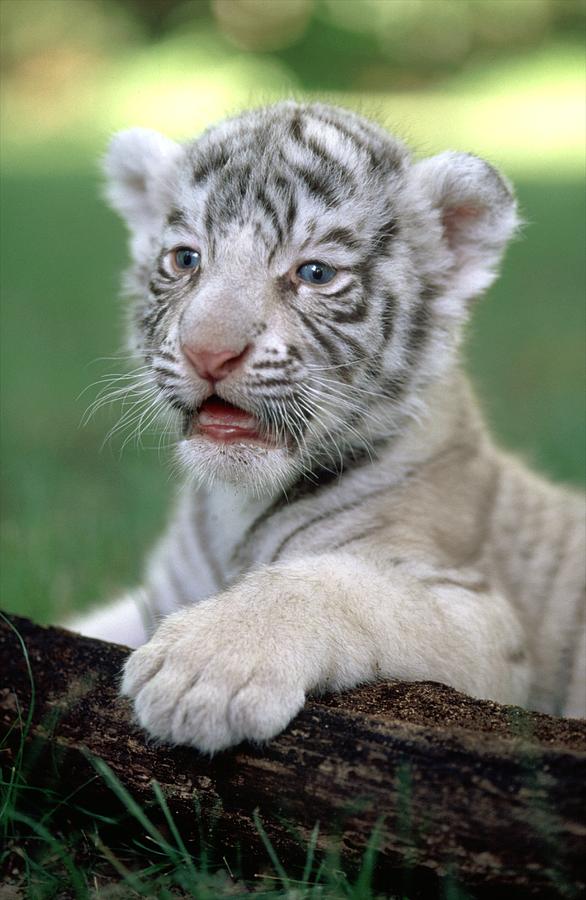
{"x": 382, "y": 534}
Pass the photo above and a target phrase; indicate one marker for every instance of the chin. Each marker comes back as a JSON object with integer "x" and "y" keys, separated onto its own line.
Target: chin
{"x": 251, "y": 468}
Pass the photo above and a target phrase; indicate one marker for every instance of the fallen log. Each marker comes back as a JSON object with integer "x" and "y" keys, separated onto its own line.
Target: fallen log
{"x": 492, "y": 795}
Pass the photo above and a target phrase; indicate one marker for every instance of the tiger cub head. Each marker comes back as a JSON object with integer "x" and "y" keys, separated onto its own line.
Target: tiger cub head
{"x": 298, "y": 281}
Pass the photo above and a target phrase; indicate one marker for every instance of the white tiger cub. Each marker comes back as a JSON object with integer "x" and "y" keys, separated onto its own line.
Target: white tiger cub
{"x": 300, "y": 288}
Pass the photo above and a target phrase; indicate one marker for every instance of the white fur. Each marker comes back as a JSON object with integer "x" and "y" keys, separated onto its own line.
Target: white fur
{"x": 139, "y": 168}
{"x": 125, "y": 621}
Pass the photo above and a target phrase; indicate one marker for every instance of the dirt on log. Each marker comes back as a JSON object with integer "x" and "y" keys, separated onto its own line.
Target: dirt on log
{"x": 492, "y": 795}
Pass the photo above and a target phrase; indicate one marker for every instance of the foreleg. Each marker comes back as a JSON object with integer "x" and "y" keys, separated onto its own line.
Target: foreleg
{"x": 239, "y": 665}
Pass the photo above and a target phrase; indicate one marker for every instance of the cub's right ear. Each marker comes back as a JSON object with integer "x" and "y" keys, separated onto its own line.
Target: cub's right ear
{"x": 139, "y": 168}
{"x": 477, "y": 214}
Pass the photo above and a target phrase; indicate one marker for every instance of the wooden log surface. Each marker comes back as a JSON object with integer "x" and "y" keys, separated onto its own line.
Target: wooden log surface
{"x": 494, "y": 795}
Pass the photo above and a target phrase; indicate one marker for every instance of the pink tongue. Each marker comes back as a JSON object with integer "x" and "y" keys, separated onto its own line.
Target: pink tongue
{"x": 223, "y": 421}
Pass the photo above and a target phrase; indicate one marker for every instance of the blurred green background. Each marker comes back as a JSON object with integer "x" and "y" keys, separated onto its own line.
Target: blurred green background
{"x": 501, "y": 78}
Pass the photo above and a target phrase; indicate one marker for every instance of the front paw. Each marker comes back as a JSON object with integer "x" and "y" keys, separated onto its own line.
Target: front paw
{"x": 200, "y": 683}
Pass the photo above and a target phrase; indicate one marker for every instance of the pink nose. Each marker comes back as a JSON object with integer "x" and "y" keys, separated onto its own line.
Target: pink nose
{"x": 214, "y": 364}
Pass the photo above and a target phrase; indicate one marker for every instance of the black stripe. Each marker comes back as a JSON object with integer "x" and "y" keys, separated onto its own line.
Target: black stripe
{"x": 350, "y": 342}
{"x": 178, "y": 404}
{"x": 277, "y": 504}
{"x": 177, "y": 217}
{"x": 385, "y": 235}
{"x": 296, "y": 128}
{"x": 291, "y": 213}
{"x": 419, "y": 328}
{"x": 282, "y": 184}
{"x": 353, "y": 137}
{"x": 335, "y": 511}
{"x": 389, "y": 315}
{"x": 356, "y": 139}
{"x": 271, "y": 212}
{"x": 156, "y": 290}
{"x": 209, "y": 213}
{"x": 152, "y": 320}
{"x": 344, "y": 291}
{"x": 163, "y": 273}
{"x": 342, "y": 236}
{"x": 418, "y": 331}
{"x": 368, "y": 532}
{"x": 330, "y": 161}
{"x": 286, "y": 188}
{"x": 332, "y": 351}
{"x": 164, "y": 354}
{"x": 267, "y": 239}
{"x": 354, "y": 314}
{"x": 318, "y": 185}
{"x": 272, "y": 251}
{"x": 242, "y": 178}
{"x": 216, "y": 159}
{"x": 271, "y": 382}
{"x": 272, "y": 364}
{"x": 429, "y": 292}
{"x": 163, "y": 370}
{"x": 394, "y": 387}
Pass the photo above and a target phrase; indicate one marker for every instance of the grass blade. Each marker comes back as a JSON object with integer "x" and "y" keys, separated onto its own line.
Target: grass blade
{"x": 364, "y": 882}
{"x": 310, "y": 853}
{"x": 271, "y": 851}
{"x": 78, "y": 882}
{"x": 132, "y": 806}
{"x": 174, "y": 830}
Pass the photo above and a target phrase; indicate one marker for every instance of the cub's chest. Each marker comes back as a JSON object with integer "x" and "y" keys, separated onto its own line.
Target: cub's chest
{"x": 229, "y": 521}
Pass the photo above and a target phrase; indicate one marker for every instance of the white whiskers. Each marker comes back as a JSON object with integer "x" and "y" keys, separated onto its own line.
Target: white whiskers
{"x": 142, "y": 404}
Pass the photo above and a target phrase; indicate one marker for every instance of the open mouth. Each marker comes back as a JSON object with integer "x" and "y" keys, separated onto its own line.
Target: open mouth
{"x": 223, "y": 422}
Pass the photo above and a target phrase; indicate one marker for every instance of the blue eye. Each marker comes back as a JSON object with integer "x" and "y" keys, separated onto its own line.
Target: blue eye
{"x": 315, "y": 273}
{"x": 185, "y": 259}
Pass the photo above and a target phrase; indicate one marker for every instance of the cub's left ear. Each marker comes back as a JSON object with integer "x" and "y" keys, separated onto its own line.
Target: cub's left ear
{"x": 139, "y": 166}
{"x": 477, "y": 214}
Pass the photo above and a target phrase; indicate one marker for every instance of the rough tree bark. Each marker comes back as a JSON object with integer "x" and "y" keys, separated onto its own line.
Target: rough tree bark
{"x": 493, "y": 795}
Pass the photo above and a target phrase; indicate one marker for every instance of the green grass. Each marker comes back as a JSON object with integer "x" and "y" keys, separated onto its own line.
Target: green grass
{"x": 55, "y": 847}
{"x": 46, "y": 859}
{"x": 78, "y": 521}
{"x": 526, "y": 350}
